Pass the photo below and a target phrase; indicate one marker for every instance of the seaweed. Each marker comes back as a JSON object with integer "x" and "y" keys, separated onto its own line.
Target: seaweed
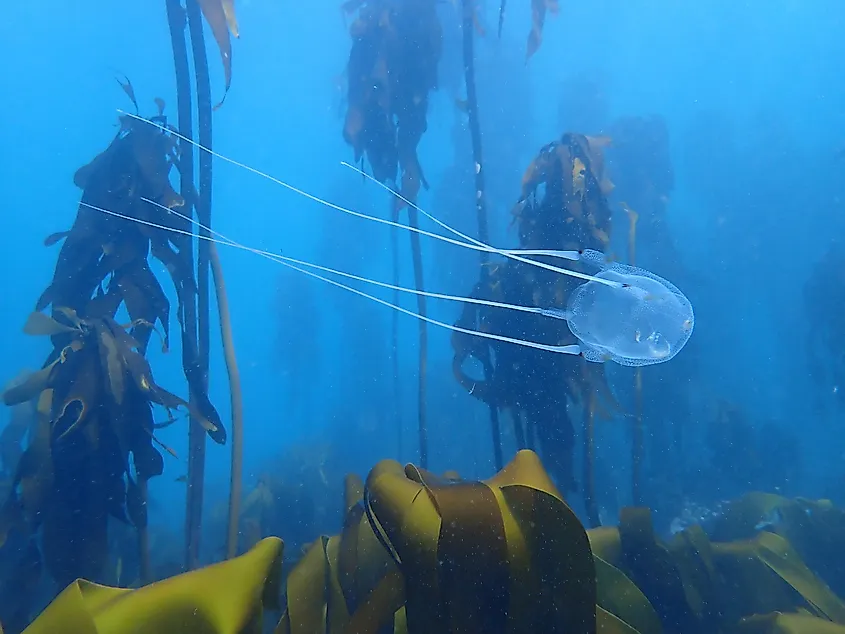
{"x": 220, "y": 15}
{"x": 92, "y": 448}
{"x": 539, "y": 9}
{"x": 94, "y": 444}
{"x": 231, "y": 596}
{"x": 392, "y": 69}
{"x": 103, "y": 261}
{"x": 426, "y": 553}
{"x": 480, "y": 177}
{"x": 737, "y": 578}
{"x": 563, "y": 206}
{"x": 420, "y": 553}
{"x": 351, "y": 572}
{"x": 538, "y": 20}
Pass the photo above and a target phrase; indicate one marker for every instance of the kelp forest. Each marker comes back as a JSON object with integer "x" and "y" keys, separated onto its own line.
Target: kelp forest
{"x": 581, "y": 510}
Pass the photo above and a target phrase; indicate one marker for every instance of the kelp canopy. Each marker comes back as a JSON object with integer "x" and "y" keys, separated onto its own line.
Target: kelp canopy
{"x": 396, "y": 46}
{"x": 563, "y": 206}
{"x": 424, "y": 553}
{"x": 93, "y": 447}
{"x": 421, "y": 553}
{"x": 392, "y": 68}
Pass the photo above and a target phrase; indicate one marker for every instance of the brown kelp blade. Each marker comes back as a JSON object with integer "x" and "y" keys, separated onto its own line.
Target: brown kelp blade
{"x": 220, "y": 15}
{"x": 261, "y": 498}
{"x": 778, "y": 623}
{"x": 618, "y": 597}
{"x": 73, "y": 414}
{"x": 170, "y": 401}
{"x": 127, "y": 87}
{"x": 538, "y": 19}
{"x": 71, "y": 315}
{"x": 111, "y": 360}
{"x": 305, "y": 591}
{"x": 779, "y": 556}
{"x": 231, "y": 20}
{"x": 139, "y": 369}
{"x": 166, "y": 448}
{"x": 226, "y": 597}
{"x": 348, "y": 580}
{"x": 41, "y": 325}
{"x": 31, "y": 387}
{"x": 507, "y": 541}
{"x": 56, "y": 237}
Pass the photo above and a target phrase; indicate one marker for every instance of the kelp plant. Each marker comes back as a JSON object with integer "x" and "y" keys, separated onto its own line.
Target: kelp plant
{"x": 563, "y": 206}
{"x": 225, "y": 598}
{"x": 220, "y": 15}
{"x": 470, "y": 24}
{"x": 468, "y": 32}
{"x": 539, "y": 8}
{"x": 391, "y": 70}
{"x": 93, "y": 448}
{"x": 643, "y": 173}
{"x": 423, "y": 553}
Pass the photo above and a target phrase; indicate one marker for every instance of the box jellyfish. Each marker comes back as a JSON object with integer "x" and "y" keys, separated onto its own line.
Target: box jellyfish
{"x": 644, "y": 321}
{"x": 622, "y": 314}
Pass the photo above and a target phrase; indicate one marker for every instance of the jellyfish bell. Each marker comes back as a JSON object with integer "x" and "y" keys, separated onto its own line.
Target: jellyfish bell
{"x": 643, "y": 321}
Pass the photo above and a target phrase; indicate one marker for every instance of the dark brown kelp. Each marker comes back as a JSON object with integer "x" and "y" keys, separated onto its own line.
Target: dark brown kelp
{"x": 93, "y": 447}
{"x": 588, "y": 486}
{"x": 392, "y": 68}
{"x": 230, "y": 596}
{"x": 539, "y": 8}
{"x": 423, "y": 553}
{"x": 202, "y": 208}
{"x": 563, "y": 206}
{"x": 236, "y": 396}
{"x": 480, "y": 175}
{"x": 643, "y": 173}
{"x": 220, "y": 16}
{"x": 177, "y": 21}
{"x": 398, "y": 418}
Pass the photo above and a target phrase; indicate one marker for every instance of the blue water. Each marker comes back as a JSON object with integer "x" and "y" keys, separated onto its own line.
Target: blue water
{"x": 754, "y": 104}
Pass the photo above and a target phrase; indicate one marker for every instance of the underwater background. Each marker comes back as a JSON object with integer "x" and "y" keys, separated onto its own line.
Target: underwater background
{"x": 715, "y": 126}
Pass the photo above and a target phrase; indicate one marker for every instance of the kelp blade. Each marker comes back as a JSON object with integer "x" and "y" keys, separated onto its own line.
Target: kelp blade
{"x": 224, "y": 598}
